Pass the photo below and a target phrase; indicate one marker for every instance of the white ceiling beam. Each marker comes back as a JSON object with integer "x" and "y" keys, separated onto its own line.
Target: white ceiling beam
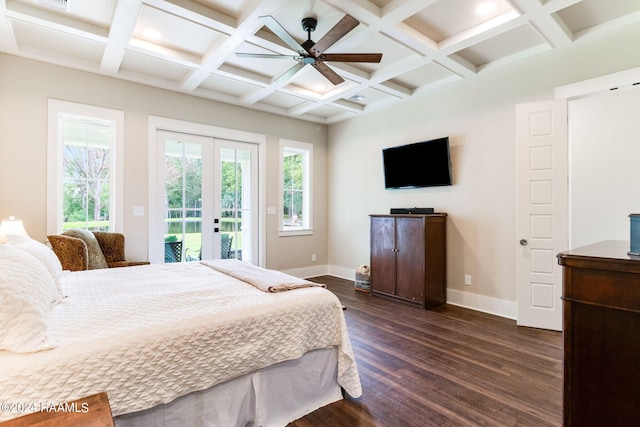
{"x": 541, "y": 17}
{"x": 44, "y": 18}
{"x": 7, "y": 40}
{"x": 216, "y": 56}
{"x": 124, "y": 21}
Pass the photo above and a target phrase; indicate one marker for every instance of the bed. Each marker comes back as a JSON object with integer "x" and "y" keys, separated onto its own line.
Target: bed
{"x": 178, "y": 344}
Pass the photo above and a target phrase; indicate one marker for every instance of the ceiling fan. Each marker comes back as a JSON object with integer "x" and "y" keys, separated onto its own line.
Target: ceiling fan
{"x": 312, "y": 53}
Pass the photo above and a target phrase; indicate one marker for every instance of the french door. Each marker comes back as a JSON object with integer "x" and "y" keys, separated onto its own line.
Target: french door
{"x": 209, "y": 203}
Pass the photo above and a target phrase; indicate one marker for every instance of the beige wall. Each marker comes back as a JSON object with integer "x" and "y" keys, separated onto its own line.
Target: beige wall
{"x": 604, "y": 179}
{"x": 479, "y": 117}
{"x": 477, "y": 114}
{"x": 25, "y": 87}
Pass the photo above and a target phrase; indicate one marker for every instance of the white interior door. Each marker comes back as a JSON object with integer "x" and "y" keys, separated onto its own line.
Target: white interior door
{"x": 542, "y": 216}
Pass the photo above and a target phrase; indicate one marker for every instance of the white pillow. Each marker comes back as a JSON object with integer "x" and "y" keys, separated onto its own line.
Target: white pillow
{"x": 24, "y": 302}
{"x": 46, "y": 257}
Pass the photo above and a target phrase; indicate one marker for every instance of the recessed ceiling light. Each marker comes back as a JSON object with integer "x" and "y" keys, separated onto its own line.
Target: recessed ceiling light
{"x": 356, "y": 97}
{"x": 152, "y": 34}
{"x": 55, "y": 4}
{"x": 485, "y": 8}
{"x": 319, "y": 87}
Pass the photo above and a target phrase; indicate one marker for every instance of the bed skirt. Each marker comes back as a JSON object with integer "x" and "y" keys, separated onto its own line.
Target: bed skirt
{"x": 272, "y": 396}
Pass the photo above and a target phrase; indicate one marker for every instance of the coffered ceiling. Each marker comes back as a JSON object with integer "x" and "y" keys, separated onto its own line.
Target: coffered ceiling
{"x": 190, "y": 46}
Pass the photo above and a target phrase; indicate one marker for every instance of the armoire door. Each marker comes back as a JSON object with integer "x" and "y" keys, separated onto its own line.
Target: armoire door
{"x": 410, "y": 258}
{"x": 383, "y": 259}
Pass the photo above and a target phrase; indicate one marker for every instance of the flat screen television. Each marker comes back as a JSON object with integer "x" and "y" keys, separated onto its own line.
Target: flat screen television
{"x": 421, "y": 164}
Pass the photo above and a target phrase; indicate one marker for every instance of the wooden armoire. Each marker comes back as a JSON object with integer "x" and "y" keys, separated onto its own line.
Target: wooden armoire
{"x": 408, "y": 258}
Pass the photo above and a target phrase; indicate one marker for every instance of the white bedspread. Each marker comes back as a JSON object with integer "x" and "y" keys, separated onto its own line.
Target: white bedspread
{"x": 149, "y": 334}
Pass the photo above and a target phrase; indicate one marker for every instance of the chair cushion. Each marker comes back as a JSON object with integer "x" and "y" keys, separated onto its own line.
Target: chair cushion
{"x": 96, "y": 257}
{"x": 72, "y": 252}
{"x": 112, "y": 245}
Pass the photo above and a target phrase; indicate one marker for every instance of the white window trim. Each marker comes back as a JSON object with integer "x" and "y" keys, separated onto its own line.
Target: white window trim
{"x": 307, "y": 188}
{"x": 56, "y": 108}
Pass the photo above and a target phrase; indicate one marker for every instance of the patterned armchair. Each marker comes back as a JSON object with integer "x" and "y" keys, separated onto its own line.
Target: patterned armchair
{"x": 85, "y": 250}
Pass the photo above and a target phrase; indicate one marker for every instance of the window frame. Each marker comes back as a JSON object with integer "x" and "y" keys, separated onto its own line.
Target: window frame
{"x": 307, "y": 188}
{"x": 57, "y": 111}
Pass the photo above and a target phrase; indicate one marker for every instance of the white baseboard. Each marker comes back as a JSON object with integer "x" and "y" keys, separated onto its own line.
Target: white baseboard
{"x": 342, "y": 272}
{"x": 321, "y": 270}
{"x": 495, "y": 306}
{"x": 304, "y": 272}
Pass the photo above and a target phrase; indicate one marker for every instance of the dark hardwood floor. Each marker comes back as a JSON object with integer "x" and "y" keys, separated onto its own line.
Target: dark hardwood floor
{"x": 447, "y": 366}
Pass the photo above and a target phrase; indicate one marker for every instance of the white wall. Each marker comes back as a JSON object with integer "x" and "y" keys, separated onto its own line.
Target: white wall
{"x": 479, "y": 117}
{"x": 25, "y": 87}
{"x": 604, "y": 140}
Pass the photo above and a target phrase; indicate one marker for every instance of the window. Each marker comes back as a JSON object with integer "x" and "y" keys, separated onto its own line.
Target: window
{"x": 295, "y": 183}
{"x": 83, "y": 155}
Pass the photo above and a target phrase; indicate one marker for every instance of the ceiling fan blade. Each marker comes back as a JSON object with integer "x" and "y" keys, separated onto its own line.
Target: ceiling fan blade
{"x": 279, "y": 31}
{"x": 351, "y": 57}
{"x": 266, "y": 56}
{"x": 331, "y": 75}
{"x": 338, "y": 31}
{"x": 290, "y": 73}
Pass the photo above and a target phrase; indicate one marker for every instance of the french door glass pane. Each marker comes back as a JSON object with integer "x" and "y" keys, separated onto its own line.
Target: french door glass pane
{"x": 183, "y": 201}
{"x": 235, "y": 200}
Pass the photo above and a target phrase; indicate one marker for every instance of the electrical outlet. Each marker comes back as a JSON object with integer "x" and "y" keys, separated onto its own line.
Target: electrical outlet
{"x": 467, "y": 279}
{"x": 313, "y": 257}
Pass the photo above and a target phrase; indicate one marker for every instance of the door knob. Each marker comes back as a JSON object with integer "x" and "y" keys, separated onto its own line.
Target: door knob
{"x": 523, "y": 242}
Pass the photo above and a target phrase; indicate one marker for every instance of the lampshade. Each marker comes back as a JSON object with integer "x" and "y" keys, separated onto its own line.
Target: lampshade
{"x": 12, "y": 226}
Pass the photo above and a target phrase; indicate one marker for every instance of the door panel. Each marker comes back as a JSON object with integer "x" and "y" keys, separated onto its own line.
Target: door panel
{"x": 542, "y": 218}
{"x": 410, "y": 258}
{"x": 236, "y": 190}
{"x": 383, "y": 260}
{"x": 185, "y": 157}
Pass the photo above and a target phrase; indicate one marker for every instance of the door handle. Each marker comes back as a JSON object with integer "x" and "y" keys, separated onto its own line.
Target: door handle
{"x": 523, "y": 242}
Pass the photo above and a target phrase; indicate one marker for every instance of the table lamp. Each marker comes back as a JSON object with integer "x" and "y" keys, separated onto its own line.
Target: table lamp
{"x": 11, "y": 226}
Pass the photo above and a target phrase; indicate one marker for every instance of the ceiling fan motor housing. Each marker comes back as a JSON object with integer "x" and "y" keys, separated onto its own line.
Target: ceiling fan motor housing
{"x": 309, "y": 24}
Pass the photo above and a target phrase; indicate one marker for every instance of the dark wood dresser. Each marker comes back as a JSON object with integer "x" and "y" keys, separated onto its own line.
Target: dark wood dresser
{"x": 408, "y": 258}
{"x": 601, "y": 293}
